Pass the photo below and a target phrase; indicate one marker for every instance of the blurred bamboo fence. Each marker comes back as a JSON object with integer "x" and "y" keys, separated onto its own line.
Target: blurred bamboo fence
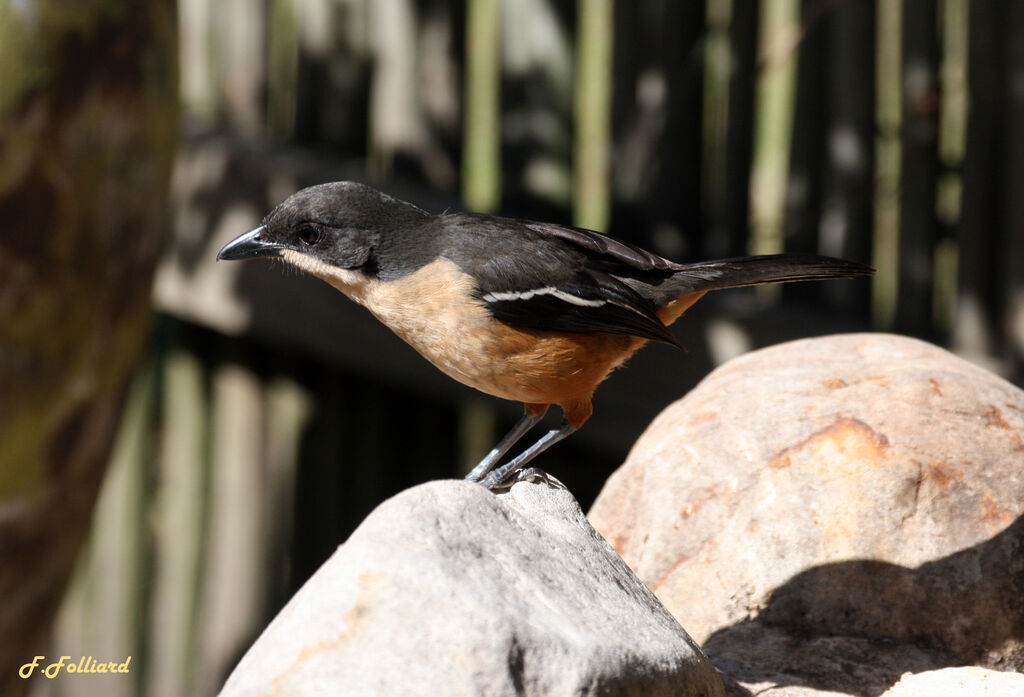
{"x": 886, "y": 132}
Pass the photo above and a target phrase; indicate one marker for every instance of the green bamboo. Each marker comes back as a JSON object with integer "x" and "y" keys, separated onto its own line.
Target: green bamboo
{"x": 715, "y": 112}
{"x": 885, "y": 255}
{"x": 919, "y": 228}
{"x": 780, "y": 22}
{"x": 283, "y": 71}
{"x": 199, "y": 53}
{"x": 289, "y": 408}
{"x": 178, "y": 517}
{"x": 121, "y": 534}
{"x": 591, "y": 166}
{"x": 481, "y": 159}
{"x": 100, "y": 614}
{"x": 952, "y": 144}
{"x": 980, "y": 328}
{"x": 478, "y": 432}
{"x": 234, "y": 583}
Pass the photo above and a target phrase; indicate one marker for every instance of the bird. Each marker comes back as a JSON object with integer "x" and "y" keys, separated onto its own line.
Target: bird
{"x": 527, "y": 311}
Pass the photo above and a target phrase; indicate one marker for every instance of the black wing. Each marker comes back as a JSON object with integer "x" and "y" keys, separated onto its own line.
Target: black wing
{"x": 661, "y": 280}
{"x": 592, "y": 301}
{"x": 604, "y": 248}
{"x": 548, "y": 277}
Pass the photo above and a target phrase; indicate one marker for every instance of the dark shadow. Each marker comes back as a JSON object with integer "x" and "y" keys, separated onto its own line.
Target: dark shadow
{"x": 964, "y": 609}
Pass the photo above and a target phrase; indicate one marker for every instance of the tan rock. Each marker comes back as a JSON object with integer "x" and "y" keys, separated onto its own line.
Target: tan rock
{"x": 864, "y": 485}
{"x": 959, "y": 682}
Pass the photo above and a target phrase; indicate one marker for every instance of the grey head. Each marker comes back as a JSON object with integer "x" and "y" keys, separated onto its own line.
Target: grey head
{"x": 339, "y": 223}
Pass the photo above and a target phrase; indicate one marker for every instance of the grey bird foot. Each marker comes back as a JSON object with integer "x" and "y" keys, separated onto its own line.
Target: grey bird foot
{"x": 528, "y": 474}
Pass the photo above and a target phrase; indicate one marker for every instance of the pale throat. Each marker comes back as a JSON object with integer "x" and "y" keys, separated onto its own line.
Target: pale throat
{"x": 351, "y": 282}
{"x": 434, "y": 300}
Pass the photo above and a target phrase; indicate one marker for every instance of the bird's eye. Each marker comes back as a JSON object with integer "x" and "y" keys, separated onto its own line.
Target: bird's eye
{"x": 309, "y": 235}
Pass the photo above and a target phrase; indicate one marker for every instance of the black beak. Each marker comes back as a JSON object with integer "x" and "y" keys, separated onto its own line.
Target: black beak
{"x": 250, "y": 245}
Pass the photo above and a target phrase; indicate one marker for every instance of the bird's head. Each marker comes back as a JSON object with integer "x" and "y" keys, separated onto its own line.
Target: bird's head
{"x": 326, "y": 230}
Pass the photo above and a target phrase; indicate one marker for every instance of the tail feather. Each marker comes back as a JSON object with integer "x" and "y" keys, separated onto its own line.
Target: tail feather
{"x": 756, "y": 270}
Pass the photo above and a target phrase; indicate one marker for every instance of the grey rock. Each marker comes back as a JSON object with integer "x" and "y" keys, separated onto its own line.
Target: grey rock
{"x": 864, "y": 485}
{"x": 448, "y": 589}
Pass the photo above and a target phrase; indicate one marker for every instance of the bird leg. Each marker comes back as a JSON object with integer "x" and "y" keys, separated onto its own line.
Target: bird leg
{"x": 533, "y": 413}
{"x": 496, "y": 478}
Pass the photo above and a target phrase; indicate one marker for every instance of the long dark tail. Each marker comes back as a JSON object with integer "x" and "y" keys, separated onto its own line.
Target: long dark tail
{"x": 769, "y": 268}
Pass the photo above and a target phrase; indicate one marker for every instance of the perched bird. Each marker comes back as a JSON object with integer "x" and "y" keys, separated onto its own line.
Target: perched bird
{"x": 527, "y": 311}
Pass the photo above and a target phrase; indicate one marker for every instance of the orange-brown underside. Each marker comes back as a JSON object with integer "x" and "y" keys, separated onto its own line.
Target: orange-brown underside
{"x": 435, "y": 311}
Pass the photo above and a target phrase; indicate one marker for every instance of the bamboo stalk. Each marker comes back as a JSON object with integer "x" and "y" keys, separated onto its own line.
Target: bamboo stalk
{"x": 804, "y": 184}
{"x": 178, "y": 516}
{"x": 736, "y": 209}
{"x": 919, "y": 171}
{"x": 478, "y": 432}
{"x": 1013, "y": 216}
{"x": 846, "y": 211}
{"x": 101, "y": 611}
{"x": 283, "y": 70}
{"x": 773, "y": 127}
{"x": 234, "y": 584}
{"x": 718, "y": 66}
{"x": 481, "y": 159}
{"x": 952, "y": 141}
{"x": 591, "y": 166}
{"x": 119, "y": 558}
{"x": 240, "y": 59}
{"x": 289, "y": 407}
{"x": 888, "y": 114}
{"x": 197, "y": 58}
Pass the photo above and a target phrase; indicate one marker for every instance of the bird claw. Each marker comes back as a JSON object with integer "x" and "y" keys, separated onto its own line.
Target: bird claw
{"x": 527, "y": 474}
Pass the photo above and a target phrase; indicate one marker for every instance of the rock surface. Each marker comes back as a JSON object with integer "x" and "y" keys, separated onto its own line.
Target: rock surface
{"x": 862, "y": 485}
{"x": 761, "y": 659}
{"x": 959, "y": 682}
{"x": 449, "y": 589}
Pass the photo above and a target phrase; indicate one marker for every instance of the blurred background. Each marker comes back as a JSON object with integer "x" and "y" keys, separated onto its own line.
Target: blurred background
{"x": 182, "y": 442}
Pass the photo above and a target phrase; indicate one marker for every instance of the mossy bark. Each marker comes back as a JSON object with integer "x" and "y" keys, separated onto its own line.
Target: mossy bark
{"x": 88, "y": 127}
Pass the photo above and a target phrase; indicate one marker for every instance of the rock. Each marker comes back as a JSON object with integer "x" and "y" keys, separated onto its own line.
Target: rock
{"x": 862, "y": 485}
{"x": 959, "y": 682}
{"x": 762, "y": 659}
{"x": 449, "y": 589}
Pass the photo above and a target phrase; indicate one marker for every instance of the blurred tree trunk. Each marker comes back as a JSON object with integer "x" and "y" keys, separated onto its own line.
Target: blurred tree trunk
{"x": 88, "y": 128}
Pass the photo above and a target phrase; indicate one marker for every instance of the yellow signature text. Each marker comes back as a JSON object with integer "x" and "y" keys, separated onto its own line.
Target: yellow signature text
{"x": 86, "y": 664}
